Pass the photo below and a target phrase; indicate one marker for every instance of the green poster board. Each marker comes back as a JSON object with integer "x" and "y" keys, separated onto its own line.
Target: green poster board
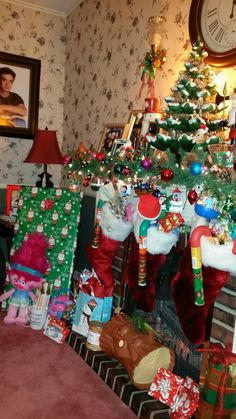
{"x": 55, "y": 213}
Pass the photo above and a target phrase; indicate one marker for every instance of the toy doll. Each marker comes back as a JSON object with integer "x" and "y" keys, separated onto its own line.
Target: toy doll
{"x": 27, "y": 266}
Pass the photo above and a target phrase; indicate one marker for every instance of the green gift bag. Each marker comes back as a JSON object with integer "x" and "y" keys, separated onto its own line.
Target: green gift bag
{"x": 218, "y": 396}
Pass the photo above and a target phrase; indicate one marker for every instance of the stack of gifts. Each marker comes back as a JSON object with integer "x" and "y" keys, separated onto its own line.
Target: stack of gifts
{"x": 92, "y": 304}
{"x": 180, "y": 394}
{"x": 218, "y": 396}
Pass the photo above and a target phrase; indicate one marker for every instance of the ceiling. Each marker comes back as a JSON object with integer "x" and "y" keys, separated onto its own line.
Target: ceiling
{"x": 57, "y": 7}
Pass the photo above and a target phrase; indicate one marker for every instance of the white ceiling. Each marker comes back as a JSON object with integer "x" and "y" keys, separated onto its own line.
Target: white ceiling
{"x": 57, "y": 7}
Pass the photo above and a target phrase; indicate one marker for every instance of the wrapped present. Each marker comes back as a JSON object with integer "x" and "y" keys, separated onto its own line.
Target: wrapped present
{"x": 218, "y": 396}
{"x": 180, "y": 394}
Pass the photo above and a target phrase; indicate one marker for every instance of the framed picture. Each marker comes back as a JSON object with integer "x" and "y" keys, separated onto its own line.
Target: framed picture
{"x": 135, "y": 124}
{"x": 112, "y": 133}
{"x": 19, "y": 95}
{"x": 12, "y": 199}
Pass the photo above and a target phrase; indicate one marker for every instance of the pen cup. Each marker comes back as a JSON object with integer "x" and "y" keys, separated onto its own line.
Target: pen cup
{"x": 37, "y": 317}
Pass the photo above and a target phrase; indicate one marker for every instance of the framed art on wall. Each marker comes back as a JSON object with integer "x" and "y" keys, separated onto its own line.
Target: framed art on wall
{"x": 19, "y": 95}
{"x": 111, "y": 133}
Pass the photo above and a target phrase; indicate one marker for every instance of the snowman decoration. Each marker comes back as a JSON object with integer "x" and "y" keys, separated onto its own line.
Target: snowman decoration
{"x": 88, "y": 308}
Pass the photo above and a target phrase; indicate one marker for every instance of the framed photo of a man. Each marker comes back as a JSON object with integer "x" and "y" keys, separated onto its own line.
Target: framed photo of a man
{"x": 19, "y": 95}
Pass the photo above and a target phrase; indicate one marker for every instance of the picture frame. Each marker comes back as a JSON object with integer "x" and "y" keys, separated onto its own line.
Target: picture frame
{"x": 110, "y": 134}
{"x": 23, "y": 79}
{"x": 135, "y": 125}
{"x": 12, "y": 197}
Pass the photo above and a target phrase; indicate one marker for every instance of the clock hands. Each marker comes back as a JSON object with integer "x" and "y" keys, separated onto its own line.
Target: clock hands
{"x": 232, "y": 10}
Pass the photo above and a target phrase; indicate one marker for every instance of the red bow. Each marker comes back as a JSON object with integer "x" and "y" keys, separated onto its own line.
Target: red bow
{"x": 220, "y": 356}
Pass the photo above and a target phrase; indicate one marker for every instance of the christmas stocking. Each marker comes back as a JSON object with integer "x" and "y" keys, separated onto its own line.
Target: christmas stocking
{"x": 111, "y": 228}
{"x": 144, "y": 297}
{"x": 101, "y": 260}
{"x": 193, "y": 318}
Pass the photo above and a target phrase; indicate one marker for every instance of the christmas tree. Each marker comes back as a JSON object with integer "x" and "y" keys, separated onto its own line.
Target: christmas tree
{"x": 188, "y": 149}
{"x": 191, "y": 115}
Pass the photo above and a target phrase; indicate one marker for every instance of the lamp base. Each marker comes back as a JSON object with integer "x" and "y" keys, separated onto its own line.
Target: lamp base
{"x": 44, "y": 180}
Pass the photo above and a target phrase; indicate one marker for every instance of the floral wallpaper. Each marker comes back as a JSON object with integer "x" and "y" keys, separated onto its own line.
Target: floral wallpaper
{"x": 106, "y": 43}
{"x": 34, "y": 34}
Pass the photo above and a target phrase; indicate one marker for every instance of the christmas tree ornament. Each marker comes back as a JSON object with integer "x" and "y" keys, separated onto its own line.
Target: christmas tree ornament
{"x": 196, "y": 168}
{"x": 118, "y": 169}
{"x": 157, "y": 193}
{"x": 100, "y": 157}
{"x": 192, "y": 196}
{"x": 85, "y": 182}
{"x": 146, "y": 163}
{"x": 67, "y": 159}
{"x": 126, "y": 171}
{"x": 167, "y": 174}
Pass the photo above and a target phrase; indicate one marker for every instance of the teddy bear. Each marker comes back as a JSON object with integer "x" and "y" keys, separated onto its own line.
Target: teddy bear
{"x": 27, "y": 266}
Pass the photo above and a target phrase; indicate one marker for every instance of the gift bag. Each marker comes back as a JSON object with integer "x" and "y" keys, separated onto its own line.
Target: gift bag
{"x": 218, "y": 396}
{"x": 90, "y": 308}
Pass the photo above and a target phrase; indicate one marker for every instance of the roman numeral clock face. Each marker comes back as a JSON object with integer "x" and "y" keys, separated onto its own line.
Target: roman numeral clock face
{"x": 214, "y": 21}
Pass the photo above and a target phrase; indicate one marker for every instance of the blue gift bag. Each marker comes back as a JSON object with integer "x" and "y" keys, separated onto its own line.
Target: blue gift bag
{"x": 90, "y": 308}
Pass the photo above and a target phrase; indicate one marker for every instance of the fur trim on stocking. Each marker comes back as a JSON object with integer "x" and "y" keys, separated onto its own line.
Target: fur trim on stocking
{"x": 113, "y": 227}
{"x": 158, "y": 242}
{"x": 218, "y": 256}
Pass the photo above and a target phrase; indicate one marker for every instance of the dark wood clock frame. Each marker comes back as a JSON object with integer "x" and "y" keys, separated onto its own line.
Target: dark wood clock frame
{"x": 216, "y": 59}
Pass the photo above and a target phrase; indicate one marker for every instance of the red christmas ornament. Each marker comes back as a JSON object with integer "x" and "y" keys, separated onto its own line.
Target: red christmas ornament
{"x": 192, "y": 196}
{"x": 85, "y": 182}
{"x": 100, "y": 157}
{"x": 167, "y": 175}
{"x": 126, "y": 171}
{"x": 67, "y": 159}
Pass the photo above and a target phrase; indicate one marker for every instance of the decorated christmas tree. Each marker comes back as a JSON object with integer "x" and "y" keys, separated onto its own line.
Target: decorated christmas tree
{"x": 191, "y": 117}
{"x": 188, "y": 150}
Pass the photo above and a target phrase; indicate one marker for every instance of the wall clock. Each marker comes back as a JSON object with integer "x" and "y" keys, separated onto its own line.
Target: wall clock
{"x": 214, "y": 22}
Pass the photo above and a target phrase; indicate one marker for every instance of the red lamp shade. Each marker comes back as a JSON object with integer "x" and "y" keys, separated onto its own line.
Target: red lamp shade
{"x": 45, "y": 149}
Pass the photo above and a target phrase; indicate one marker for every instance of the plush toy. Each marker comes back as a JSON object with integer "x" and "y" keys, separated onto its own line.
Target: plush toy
{"x": 27, "y": 266}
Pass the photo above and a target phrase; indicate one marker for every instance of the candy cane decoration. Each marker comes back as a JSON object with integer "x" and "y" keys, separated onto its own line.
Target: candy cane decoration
{"x": 142, "y": 270}
{"x": 195, "y": 243}
{"x": 97, "y": 227}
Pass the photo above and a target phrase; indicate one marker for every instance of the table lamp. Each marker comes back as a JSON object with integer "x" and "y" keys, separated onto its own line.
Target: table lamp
{"x": 45, "y": 150}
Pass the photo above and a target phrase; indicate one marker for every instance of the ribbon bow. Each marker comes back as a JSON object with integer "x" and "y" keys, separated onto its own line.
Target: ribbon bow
{"x": 220, "y": 356}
